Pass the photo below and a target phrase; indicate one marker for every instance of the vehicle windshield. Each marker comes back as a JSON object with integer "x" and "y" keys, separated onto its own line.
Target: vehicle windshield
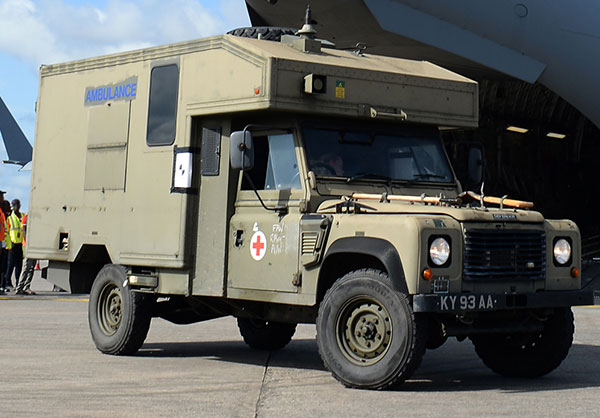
{"x": 405, "y": 154}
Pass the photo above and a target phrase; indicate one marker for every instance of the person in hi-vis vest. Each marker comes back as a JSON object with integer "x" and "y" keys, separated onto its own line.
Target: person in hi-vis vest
{"x": 14, "y": 231}
{"x": 3, "y": 254}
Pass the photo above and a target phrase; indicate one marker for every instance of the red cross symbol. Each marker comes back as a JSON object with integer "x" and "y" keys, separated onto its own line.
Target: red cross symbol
{"x": 258, "y": 245}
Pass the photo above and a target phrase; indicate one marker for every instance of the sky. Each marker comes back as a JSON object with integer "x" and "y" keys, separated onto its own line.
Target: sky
{"x": 33, "y": 33}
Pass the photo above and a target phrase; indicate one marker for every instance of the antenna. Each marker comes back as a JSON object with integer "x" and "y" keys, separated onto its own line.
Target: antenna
{"x": 307, "y": 31}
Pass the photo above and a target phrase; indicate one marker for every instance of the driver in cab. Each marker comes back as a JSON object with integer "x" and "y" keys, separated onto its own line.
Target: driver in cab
{"x": 332, "y": 165}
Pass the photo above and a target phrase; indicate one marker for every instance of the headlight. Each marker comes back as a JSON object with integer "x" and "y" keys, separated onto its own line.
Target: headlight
{"x": 562, "y": 251}
{"x": 439, "y": 251}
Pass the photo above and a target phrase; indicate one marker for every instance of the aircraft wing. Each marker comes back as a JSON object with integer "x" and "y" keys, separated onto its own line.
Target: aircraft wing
{"x": 18, "y": 148}
{"x": 544, "y": 42}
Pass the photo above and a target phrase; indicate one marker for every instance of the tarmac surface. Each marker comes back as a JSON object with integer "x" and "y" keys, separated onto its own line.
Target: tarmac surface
{"x": 49, "y": 366}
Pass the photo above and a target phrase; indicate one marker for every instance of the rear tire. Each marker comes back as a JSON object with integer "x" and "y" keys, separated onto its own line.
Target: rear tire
{"x": 367, "y": 333}
{"x": 119, "y": 318}
{"x": 266, "y": 335}
{"x": 528, "y": 355}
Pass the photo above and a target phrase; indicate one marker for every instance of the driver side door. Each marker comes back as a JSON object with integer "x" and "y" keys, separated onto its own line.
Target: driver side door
{"x": 264, "y": 246}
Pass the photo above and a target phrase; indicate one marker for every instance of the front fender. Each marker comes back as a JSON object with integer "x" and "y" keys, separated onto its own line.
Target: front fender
{"x": 377, "y": 248}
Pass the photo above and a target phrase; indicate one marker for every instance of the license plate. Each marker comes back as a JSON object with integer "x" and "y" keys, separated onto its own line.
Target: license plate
{"x": 474, "y": 302}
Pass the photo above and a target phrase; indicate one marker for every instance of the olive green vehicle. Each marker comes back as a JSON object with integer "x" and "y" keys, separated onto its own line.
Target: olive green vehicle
{"x": 285, "y": 183}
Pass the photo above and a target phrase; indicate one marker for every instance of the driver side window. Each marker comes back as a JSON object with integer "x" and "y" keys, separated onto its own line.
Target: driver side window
{"x": 275, "y": 163}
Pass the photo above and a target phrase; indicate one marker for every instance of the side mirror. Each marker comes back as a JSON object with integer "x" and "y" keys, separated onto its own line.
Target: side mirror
{"x": 241, "y": 150}
{"x": 476, "y": 164}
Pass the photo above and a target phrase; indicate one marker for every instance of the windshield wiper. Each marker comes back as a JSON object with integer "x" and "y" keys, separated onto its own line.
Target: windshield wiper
{"x": 430, "y": 176}
{"x": 361, "y": 176}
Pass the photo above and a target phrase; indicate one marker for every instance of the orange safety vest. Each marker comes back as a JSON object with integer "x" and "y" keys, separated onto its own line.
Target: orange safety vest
{"x": 2, "y": 225}
{"x": 24, "y": 223}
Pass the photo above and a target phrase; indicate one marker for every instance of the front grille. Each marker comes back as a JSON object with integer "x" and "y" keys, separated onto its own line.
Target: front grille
{"x": 504, "y": 254}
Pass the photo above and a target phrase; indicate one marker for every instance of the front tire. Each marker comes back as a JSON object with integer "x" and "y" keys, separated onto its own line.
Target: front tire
{"x": 119, "y": 318}
{"x": 528, "y": 355}
{"x": 266, "y": 335}
{"x": 367, "y": 333}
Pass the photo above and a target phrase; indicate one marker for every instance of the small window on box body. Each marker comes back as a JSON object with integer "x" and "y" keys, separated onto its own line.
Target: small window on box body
{"x": 162, "y": 107}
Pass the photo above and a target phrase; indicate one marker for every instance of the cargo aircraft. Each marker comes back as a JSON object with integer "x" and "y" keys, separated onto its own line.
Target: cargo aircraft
{"x": 537, "y": 65}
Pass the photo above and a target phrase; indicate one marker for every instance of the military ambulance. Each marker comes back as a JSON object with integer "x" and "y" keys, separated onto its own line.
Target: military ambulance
{"x": 285, "y": 183}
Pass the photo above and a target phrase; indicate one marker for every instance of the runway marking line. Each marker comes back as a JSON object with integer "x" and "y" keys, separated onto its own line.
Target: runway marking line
{"x": 72, "y": 299}
{"x": 58, "y": 299}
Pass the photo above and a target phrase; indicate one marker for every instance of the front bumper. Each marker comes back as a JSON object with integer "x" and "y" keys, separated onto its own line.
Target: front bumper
{"x": 478, "y": 302}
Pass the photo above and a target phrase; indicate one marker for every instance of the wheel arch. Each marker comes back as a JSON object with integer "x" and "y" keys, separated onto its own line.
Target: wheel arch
{"x": 87, "y": 264}
{"x": 353, "y": 253}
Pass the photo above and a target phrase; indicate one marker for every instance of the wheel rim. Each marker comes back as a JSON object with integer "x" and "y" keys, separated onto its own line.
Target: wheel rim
{"x": 110, "y": 309}
{"x": 364, "y": 330}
